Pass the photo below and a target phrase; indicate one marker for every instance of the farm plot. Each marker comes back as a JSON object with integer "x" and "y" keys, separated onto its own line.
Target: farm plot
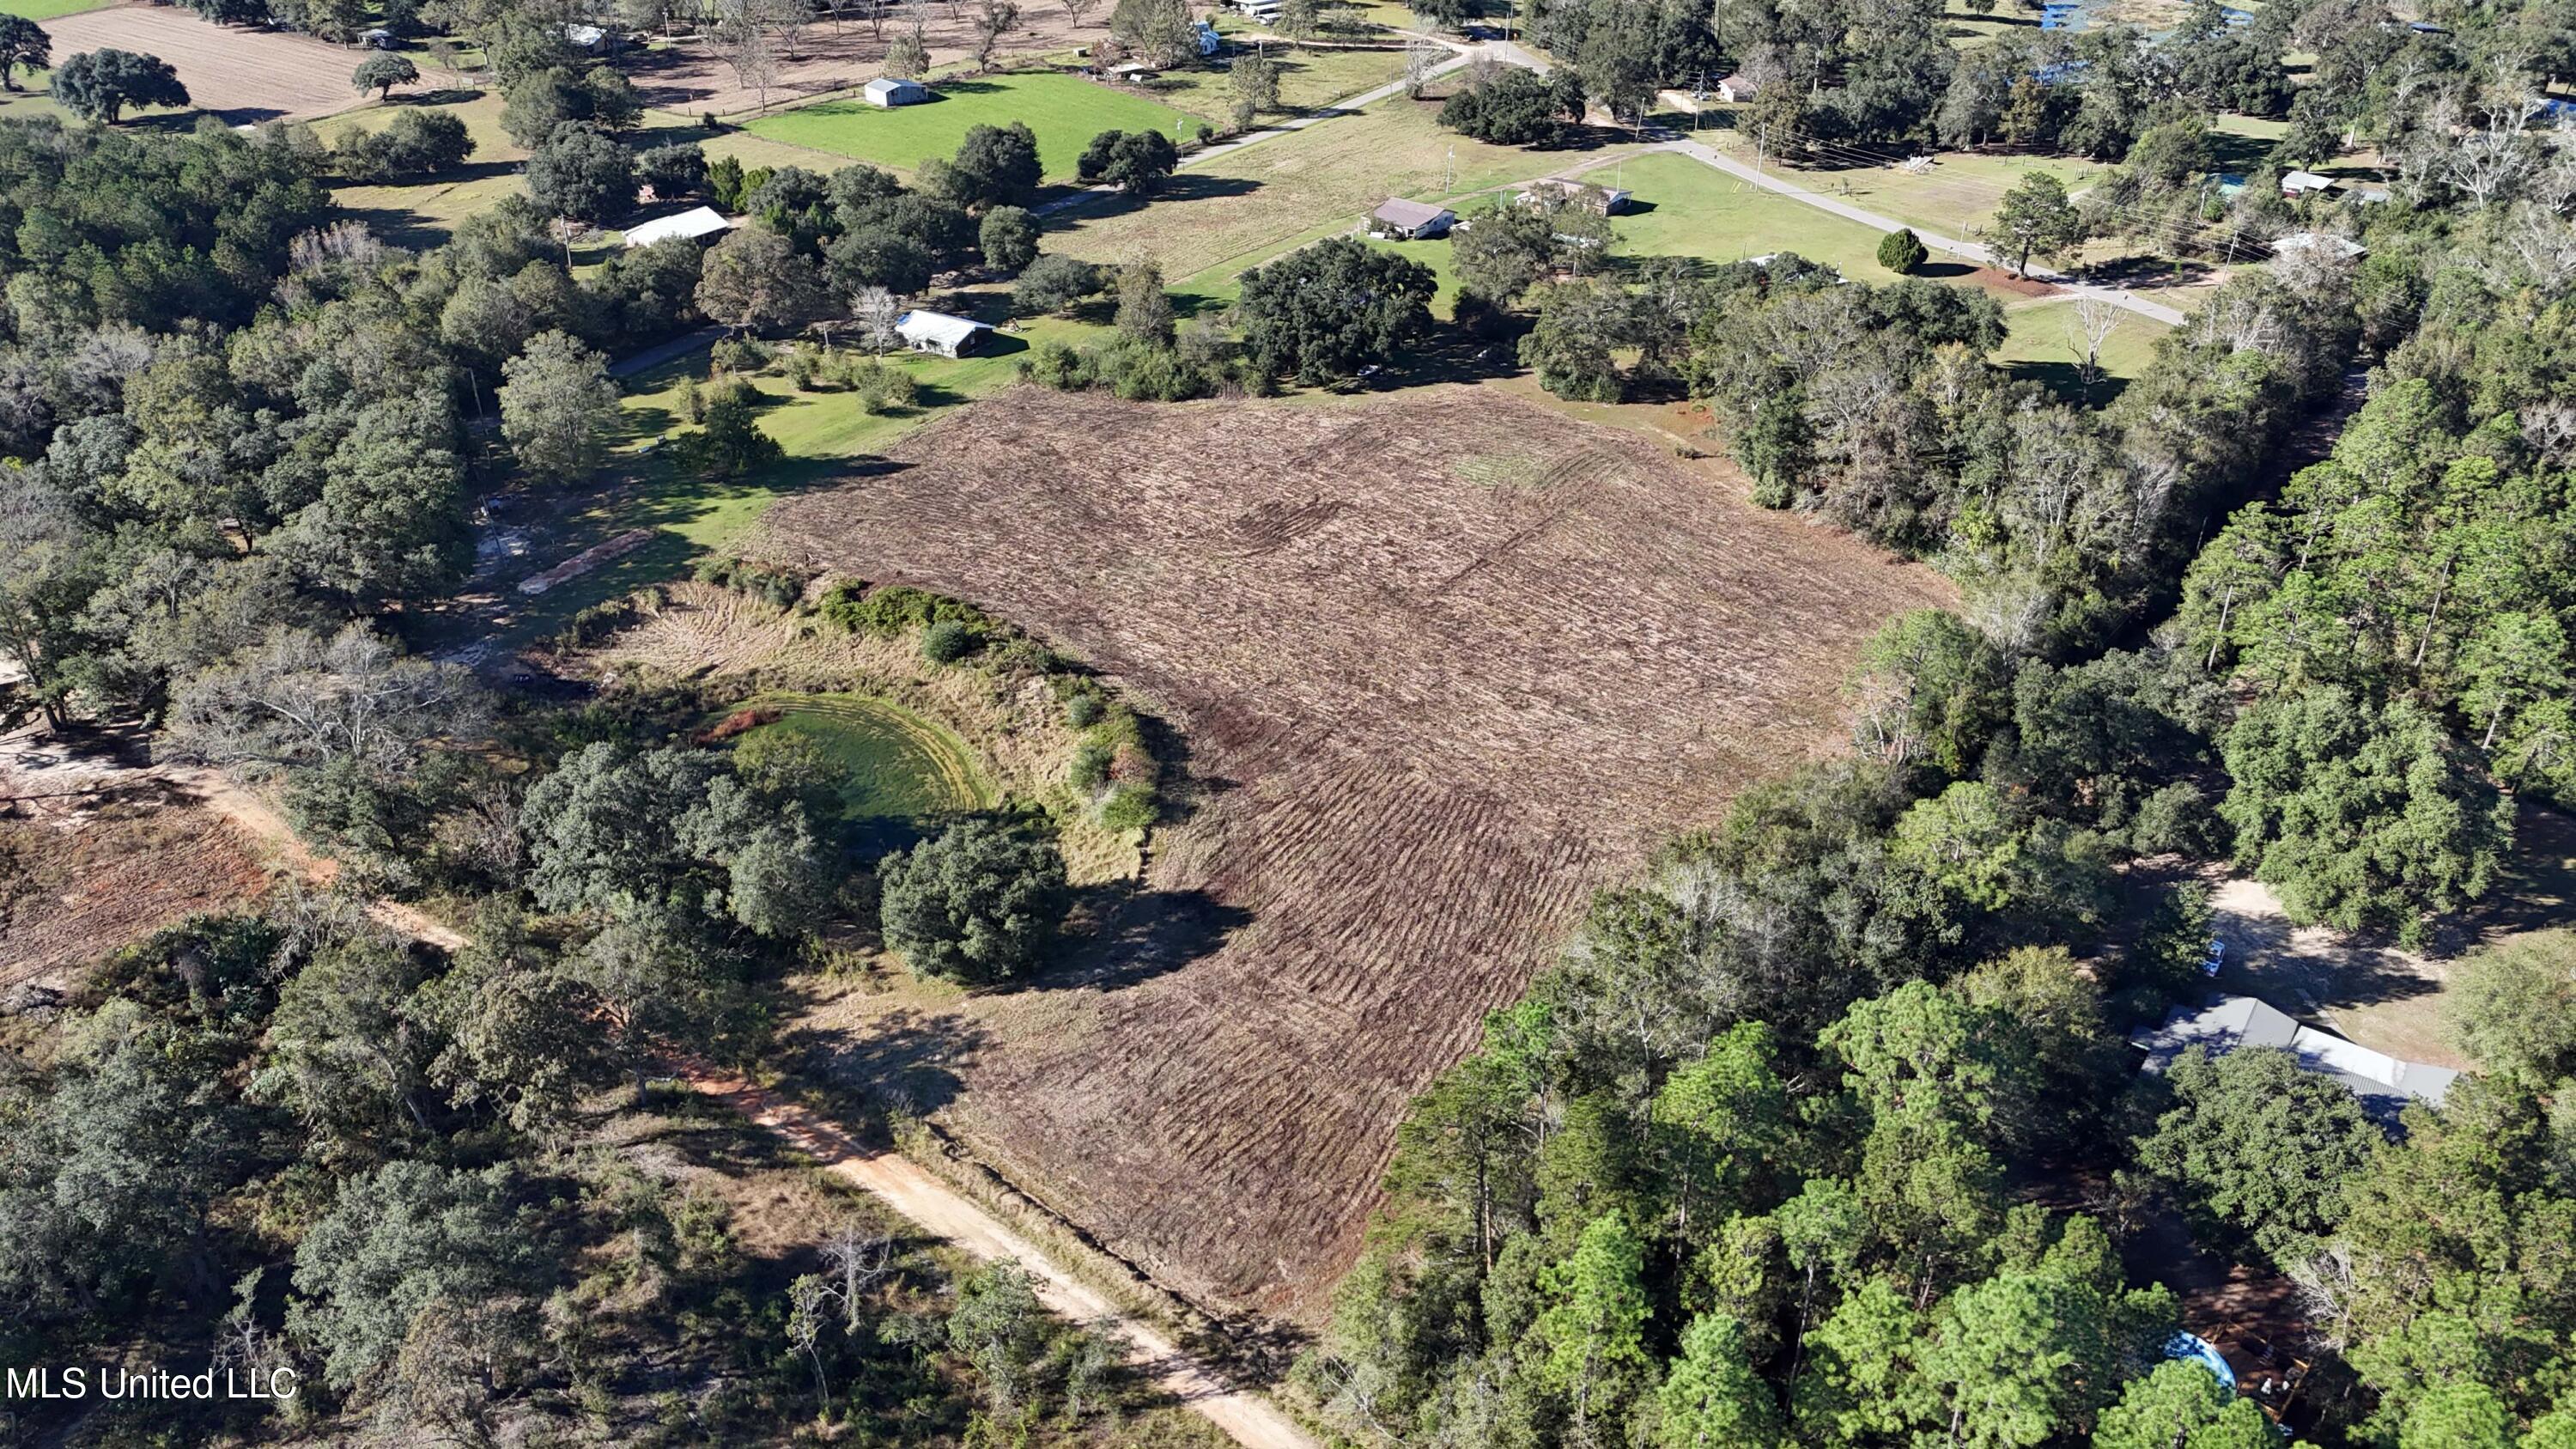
{"x": 240, "y": 75}
{"x": 1442, "y": 663}
{"x": 1065, "y": 111}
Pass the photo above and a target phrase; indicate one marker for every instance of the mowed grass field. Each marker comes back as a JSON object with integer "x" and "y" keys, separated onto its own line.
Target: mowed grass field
{"x": 50, "y": 9}
{"x": 1243, "y": 207}
{"x": 2040, "y": 342}
{"x": 1065, "y": 111}
{"x": 1309, "y": 76}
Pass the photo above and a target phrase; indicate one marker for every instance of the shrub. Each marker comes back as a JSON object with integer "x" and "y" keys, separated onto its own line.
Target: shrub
{"x": 1084, "y": 710}
{"x": 979, "y": 903}
{"x": 738, "y": 354}
{"x": 1901, "y": 251}
{"x": 1090, "y": 768}
{"x": 947, "y": 641}
{"x": 1130, "y": 807}
{"x": 1053, "y": 283}
{"x": 778, "y": 586}
{"x": 880, "y": 386}
{"x": 895, "y": 608}
{"x": 732, "y": 443}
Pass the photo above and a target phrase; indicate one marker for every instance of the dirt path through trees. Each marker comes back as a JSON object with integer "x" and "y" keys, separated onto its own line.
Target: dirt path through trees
{"x": 1246, "y": 1417}
{"x": 929, "y": 1204}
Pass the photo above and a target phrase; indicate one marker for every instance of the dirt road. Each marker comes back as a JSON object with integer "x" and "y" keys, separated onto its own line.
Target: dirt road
{"x": 1248, "y": 1418}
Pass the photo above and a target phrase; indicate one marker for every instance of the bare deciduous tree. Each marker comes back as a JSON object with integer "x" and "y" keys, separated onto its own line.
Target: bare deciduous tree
{"x": 873, "y": 313}
{"x": 2087, "y": 328}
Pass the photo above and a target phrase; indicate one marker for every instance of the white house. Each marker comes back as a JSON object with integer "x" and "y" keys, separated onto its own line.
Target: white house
{"x": 890, "y": 91}
{"x": 2295, "y": 184}
{"x": 1737, "y": 88}
{"x": 1411, "y": 220}
{"x": 927, "y": 331}
{"x": 696, "y": 224}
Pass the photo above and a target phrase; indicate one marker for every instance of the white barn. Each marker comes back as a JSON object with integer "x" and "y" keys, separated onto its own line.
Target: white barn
{"x": 696, "y": 224}
{"x": 889, "y": 91}
{"x": 938, "y": 332}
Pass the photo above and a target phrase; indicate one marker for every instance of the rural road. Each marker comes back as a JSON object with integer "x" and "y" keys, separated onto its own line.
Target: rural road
{"x": 41, "y": 766}
{"x": 1499, "y": 50}
{"x": 1248, "y": 1418}
{"x": 1707, "y": 155}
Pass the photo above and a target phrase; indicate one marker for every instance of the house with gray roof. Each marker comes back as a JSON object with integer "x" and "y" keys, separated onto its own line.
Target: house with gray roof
{"x": 2382, "y": 1082}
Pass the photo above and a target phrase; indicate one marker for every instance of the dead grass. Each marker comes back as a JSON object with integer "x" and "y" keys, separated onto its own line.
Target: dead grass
{"x": 76, "y": 886}
{"x": 1015, "y": 730}
{"x": 1442, "y": 663}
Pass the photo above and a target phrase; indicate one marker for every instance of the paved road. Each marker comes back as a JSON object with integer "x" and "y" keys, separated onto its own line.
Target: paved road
{"x": 662, "y": 352}
{"x": 1499, "y": 50}
{"x": 2127, "y": 301}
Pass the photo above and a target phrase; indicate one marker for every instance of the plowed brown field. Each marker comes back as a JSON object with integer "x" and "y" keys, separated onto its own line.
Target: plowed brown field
{"x": 240, "y": 74}
{"x": 1442, "y": 663}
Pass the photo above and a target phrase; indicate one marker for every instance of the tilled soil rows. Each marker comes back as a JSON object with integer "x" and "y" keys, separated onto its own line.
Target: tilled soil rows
{"x": 1440, "y": 666}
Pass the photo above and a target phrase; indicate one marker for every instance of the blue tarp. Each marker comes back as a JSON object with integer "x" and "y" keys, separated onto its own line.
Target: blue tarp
{"x": 2197, "y": 1349}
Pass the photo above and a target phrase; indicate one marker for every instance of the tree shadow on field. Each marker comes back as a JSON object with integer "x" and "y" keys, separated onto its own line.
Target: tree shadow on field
{"x": 2066, "y": 380}
{"x": 1141, "y": 934}
{"x": 907, "y": 1061}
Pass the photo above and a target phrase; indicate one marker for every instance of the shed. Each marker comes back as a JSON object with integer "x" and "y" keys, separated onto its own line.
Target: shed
{"x": 1132, "y": 72}
{"x": 696, "y": 224}
{"x": 2304, "y": 183}
{"x": 586, "y": 37}
{"x": 1411, "y": 220}
{"x": 1734, "y": 88}
{"x": 927, "y": 331}
{"x": 2382, "y": 1082}
{"x": 1607, "y": 200}
{"x": 887, "y": 90}
{"x": 378, "y": 38}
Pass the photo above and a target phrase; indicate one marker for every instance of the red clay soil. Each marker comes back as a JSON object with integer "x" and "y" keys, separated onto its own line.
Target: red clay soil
{"x": 1443, "y": 663}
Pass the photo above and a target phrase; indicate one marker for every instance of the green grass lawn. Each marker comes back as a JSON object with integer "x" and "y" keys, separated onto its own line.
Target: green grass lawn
{"x": 50, "y": 9}
{"x": 1686, "y": 209}
{"x": 1309, "y": 77}
{"x": 2039, "y": 344}
{"x": 900, "y": 774}
{"x": 1246, "y": 206}
{"x": 1066, "y": 111}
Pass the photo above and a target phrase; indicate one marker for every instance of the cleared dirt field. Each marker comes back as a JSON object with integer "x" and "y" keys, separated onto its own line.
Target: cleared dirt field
{"x": 241, "y": 75}
{"x": 1441, "y": 664}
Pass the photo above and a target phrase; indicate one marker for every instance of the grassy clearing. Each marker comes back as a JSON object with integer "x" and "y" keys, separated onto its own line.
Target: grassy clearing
{"x": 2039, "y": 345}
{"x": 1686, "y": 209}
{"x": 1309, "y": 77}
{"x": 50, "y": 9}
{"x": 900, "y": 772}
{"x": 1066, "y": 112}
{"x": 691, "y": 516}
{"x": 1242, "y": 208}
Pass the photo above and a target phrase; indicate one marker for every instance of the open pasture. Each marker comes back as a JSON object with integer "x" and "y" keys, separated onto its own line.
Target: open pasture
{"x": 1439, "y": 664}
{"x": 1065, "y": 111}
